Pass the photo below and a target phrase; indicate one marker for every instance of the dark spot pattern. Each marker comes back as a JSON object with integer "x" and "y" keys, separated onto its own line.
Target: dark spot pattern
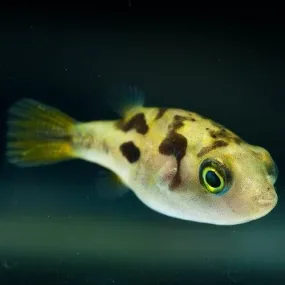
{"x": 175, "y": 144}
{"x": 178, "y": 122}
{"x": 160, "y": 113}
{"x": 216, "y": 144}
{"x": 220, "y": 134}
{"x": 130, "y": 151}
{"x": 222, "y": 137}
{"x": 223, "y": 133}
{"x": 137, "y": 122}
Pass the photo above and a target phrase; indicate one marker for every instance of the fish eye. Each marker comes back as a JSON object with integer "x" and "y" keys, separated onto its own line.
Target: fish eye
{"x": 214, "y": 176}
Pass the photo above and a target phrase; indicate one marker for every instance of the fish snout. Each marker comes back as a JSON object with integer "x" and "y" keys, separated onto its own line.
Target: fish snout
{"x": 269, "y": 200}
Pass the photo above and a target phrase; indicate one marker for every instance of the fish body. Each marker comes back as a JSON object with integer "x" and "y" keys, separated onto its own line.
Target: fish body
{"x": 176, "y": 162}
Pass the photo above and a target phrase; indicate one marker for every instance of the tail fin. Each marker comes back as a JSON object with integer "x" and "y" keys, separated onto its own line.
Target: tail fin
{"x": 38, "y": 134}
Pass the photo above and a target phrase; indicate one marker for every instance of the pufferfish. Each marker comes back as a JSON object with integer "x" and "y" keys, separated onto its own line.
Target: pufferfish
{"x": 178, "y": 163}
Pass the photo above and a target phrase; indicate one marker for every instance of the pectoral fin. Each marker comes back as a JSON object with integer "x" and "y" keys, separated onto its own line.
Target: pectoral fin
{"x": 109, "y": 186}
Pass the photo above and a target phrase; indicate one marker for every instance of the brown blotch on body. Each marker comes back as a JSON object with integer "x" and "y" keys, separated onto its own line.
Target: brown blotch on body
{"x": 130, "y": 151}
{"x": 178, "y": 122}
{"x": 137, "y": 122}
{"x": 220, "y": 134}
{"x": 215, "y": 145}
{"x": 175, "y": 144}
{"x": 224, "y": 134}
{"x": 160, "y": 113}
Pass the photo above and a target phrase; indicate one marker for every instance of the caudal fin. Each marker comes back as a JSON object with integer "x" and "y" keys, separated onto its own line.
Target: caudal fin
{"x": 38, "y": 134}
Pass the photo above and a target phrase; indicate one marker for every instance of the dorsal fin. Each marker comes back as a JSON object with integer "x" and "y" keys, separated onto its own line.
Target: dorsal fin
{"x": 127, "y": 98}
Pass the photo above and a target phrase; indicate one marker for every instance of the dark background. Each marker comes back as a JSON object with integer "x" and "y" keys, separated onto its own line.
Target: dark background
{"x": 53, "y": 227}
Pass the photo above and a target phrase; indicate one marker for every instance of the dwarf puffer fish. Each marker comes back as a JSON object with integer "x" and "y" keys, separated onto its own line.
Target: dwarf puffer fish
{"x": 176, "y": 162}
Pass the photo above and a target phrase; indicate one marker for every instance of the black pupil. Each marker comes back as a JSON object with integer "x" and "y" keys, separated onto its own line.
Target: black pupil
{"x": 212, "y": 179}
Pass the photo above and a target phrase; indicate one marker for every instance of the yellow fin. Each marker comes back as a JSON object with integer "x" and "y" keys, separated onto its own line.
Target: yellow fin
{"x": 38, "y": 134}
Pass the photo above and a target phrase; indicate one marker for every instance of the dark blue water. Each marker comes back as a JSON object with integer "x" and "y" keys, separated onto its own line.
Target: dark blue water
{"x": 53, "y": 227}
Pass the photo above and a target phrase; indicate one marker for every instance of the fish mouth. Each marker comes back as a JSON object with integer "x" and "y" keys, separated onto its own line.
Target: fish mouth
{"x": 267, "y": 203}
{"x": 266, "y": 206}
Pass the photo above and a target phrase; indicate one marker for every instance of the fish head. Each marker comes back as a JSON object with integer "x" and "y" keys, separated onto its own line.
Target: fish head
{"x": 230, "y": 185}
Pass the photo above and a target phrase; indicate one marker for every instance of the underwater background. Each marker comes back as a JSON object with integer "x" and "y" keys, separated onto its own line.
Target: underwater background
{"x": 54, "y": 229}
